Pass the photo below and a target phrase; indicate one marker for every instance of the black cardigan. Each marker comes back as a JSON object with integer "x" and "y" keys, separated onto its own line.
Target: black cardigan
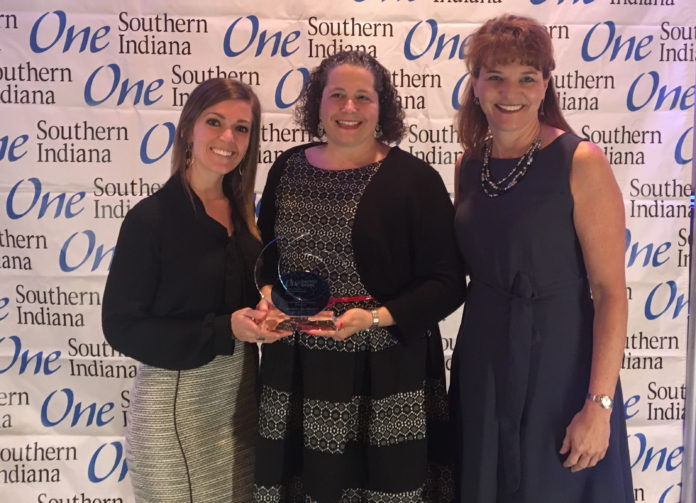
{"x": 174, "y": 280}
{"x": 403, "y": 240}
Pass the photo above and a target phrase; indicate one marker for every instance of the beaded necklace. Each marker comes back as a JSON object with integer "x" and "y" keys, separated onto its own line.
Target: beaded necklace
{"x": 495, "y": 188}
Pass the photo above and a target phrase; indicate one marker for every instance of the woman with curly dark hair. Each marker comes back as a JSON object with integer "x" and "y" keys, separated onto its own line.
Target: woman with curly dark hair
{"x": 391, "y": 115}
{"x": 358, "y": 412}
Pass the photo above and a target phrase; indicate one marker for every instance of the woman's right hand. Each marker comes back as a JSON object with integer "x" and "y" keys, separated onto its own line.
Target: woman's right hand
{"x": 247, "y": 325}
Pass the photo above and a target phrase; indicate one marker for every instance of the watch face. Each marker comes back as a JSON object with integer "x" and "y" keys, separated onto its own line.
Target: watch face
{"x": 605, "y": 401}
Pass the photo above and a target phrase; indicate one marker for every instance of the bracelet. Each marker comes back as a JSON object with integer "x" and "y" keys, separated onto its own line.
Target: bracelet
{"x": 375, "y": 319}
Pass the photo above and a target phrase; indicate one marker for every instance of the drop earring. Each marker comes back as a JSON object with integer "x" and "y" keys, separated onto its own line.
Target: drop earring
{"x": 378, "y": 131}
{"x": 188, "y": 155}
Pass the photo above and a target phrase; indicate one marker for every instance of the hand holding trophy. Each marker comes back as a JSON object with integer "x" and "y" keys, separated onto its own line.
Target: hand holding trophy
{"x": 300, "y": 293}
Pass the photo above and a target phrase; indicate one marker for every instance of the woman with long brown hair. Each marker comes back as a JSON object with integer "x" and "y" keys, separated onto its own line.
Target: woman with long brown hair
{"x": 178, "y": 299}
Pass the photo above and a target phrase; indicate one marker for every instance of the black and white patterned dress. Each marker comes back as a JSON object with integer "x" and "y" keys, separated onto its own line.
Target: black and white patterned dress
{"x": 341, "y": 420}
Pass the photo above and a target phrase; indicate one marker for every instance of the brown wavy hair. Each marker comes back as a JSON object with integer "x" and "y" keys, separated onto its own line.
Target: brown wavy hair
{"x": 238, "y": 185}
{"x": 499, "y": 41}
{"x": 391, "y": 115}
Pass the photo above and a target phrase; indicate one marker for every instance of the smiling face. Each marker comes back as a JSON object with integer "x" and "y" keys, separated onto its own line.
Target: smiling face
{"x": 220, "y": 138}
{"x": 349, "y": 107}
{"x": 510, "y": 96}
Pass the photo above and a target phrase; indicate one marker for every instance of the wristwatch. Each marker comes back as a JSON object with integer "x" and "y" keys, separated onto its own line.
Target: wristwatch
{"x": 375, "y": 319}
{"x": 604, "y": 401}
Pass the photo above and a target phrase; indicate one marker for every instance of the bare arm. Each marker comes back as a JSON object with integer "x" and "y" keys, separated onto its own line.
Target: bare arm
{"x": 600, "y": 226}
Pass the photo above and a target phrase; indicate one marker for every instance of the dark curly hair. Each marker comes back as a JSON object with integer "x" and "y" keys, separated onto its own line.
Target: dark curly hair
{"x": 391, "y": 115}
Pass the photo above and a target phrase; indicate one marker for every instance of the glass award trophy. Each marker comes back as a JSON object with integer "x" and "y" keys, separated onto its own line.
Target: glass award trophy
{"x": 299, "y": 282}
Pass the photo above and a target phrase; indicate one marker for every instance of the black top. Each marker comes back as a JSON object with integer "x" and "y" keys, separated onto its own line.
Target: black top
{"x": 174, "y": 280}
{"x": 403, "y": 240}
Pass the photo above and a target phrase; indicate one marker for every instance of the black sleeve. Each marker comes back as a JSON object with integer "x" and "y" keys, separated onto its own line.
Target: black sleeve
{"x": 439, "y": 279}
{"x": 266, "y": 224}
{"x": 132, "y": 286}
{"x": 267, "y": 208}
{"x": 267, "y": 212}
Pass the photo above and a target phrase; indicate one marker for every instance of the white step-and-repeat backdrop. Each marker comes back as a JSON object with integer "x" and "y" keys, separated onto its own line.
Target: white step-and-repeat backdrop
{"x": 90, "y": 94}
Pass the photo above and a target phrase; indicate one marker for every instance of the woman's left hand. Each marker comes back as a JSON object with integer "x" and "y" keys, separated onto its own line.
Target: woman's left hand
{"x": 347, "y": 324}
{"x": 587, "y": 437}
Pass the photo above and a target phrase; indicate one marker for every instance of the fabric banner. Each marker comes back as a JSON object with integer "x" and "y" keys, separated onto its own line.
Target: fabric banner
{"x": 91, "y": 93}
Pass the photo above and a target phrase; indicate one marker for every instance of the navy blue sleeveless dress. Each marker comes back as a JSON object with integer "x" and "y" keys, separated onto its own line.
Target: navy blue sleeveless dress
{"x": 521, "y": 365}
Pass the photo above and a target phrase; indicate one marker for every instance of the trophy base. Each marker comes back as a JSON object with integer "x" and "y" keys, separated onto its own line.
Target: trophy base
{"x": 277, "y": 320}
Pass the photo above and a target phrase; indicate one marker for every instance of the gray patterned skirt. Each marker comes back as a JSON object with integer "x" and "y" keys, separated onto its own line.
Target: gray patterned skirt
{"x": 190, "y": 434}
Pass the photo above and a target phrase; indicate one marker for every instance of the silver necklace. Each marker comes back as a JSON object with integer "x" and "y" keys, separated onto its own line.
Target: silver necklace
{"x": 495, "y": 188}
